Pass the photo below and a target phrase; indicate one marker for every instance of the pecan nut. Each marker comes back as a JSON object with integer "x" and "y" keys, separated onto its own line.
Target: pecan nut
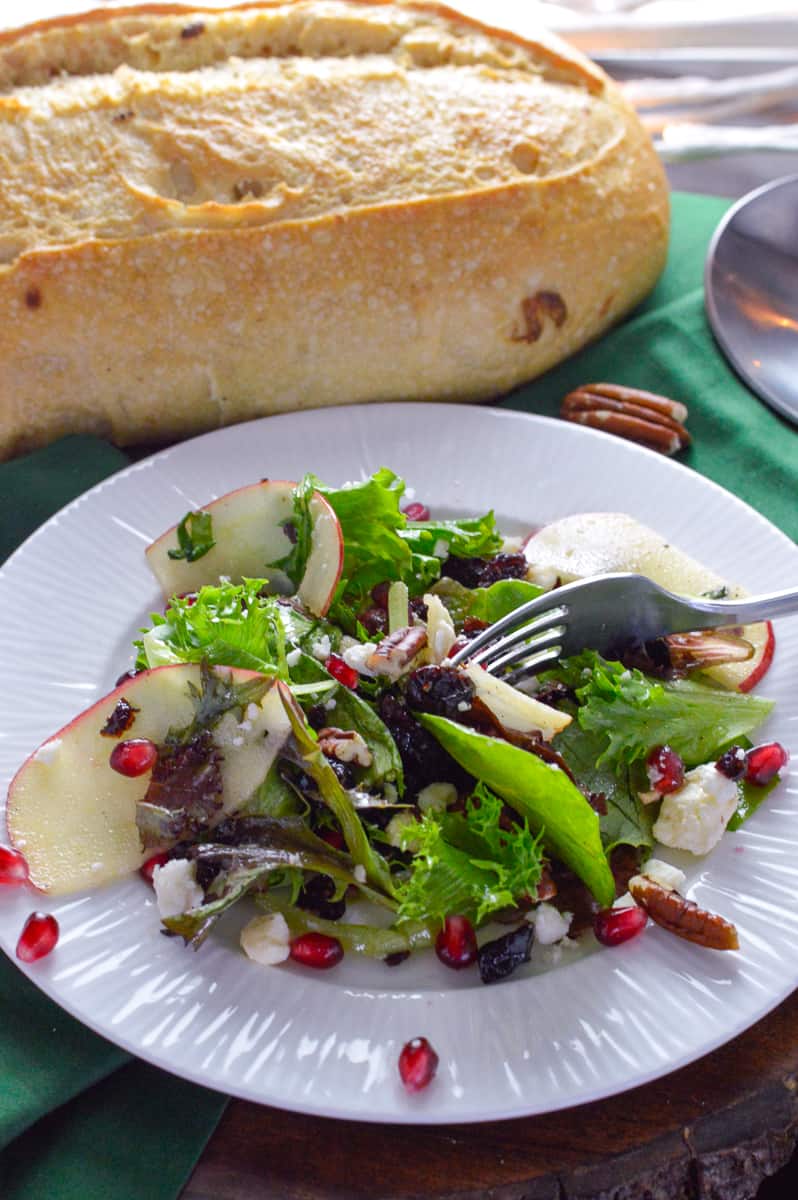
{"x": 683, "y": 917}
{"x": 395, "y": 652}
{"x": 640, "y": 416}
{"x": 344, "y": 745}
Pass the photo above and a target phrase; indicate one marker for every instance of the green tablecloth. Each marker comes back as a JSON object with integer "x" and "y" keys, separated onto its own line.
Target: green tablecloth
{"x": 80, "y": 1120}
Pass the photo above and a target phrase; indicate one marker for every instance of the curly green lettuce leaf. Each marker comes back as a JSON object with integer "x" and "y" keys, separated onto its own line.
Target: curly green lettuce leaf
{"x": 633, "y": 712}
{"x": 541, "y": 794}
{"x": 485, "y": 603}
{"x": 465, "y": 863}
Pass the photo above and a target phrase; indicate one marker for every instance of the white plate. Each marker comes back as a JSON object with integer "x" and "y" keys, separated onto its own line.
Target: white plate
{"x": 73, "y": 597}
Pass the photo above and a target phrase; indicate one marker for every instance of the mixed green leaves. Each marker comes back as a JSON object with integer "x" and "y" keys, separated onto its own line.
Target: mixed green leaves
{"x": 194, "y": 537}
{"x": 632, "y": 712}
{"x": 466, "y": 863}
{"x": 541, "y": 794}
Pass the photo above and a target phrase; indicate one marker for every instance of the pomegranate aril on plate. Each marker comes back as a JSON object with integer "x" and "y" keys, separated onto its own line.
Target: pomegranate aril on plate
{"x": 665, "y": 770}
{"x": 613, "y": 926}
{"x": 317, "y": 950}
{"x": 134, "y": 757}
{"x": 416, "y": 512}
{"x": 147, "y": 869}
{"x": 39, "y": 936}
{"x": 418, "y": 1063}
{"x": 13, "y": 867}
{"x": 341, "y": 671}
{"x": 764, "y": 762}
{"x": 456, "y": 944}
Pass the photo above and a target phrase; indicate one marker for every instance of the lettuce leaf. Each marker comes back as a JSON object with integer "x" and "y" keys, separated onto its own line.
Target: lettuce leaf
{"x": 486, "y": 604}
{"x": 465, "y": 863}
{"x": 540, "y": 794}
{"x": 633, "y": 712}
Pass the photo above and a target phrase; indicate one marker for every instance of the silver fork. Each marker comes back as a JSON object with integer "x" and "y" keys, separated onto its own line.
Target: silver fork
{"x": 605, "y": 613}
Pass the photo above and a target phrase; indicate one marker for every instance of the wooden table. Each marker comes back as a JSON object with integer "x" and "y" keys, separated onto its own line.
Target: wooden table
{"x": 713, "y": 1130}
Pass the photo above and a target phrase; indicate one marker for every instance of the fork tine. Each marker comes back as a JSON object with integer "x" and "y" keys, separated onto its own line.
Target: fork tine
{"x": 515, "y": 650}
{"x": 524, "y": 631}
{"x": 533, "y": 665}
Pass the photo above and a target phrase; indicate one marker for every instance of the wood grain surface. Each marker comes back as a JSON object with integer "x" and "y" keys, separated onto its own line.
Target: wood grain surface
{"x": 711, "y": 1131}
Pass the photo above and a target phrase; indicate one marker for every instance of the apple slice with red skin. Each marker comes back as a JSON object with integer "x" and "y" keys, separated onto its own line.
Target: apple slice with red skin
{"x": 249, "y": 531}
{"x": 585, "y": 544}
{"x": 73, "y": 816}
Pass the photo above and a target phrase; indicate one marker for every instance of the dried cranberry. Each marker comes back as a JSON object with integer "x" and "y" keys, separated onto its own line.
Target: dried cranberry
{"x": 456, "y": 944}
{"x": 341, "y": 671}
{"x": 39, "y": 936}
{"x": 418, "y": 1063}
{"x": 394, "y": 960}
{"x": 665, "y": 770}
{"x": 612, "y": 926}
{"x": 316, "y": 896}
{"x": 134, "y": 757}
{"x": 379, "y": 593}
{"x": 416, "y": 512}
{"x": 440, "y": 691}
{"x": 732, "y": 763}
{"x": 554, "y": 693}
{"x": 317, "y": 950}
{"x": 472, "y": 626}
{"x": 147, "y": 869}
{"x": 502, "y": 956}
{"x": 423, "y": 758}
{"x": 13, "y": 867}
{"x": 120, "y": 719}
{"x": 482, "y": 572}
{"x": 764, "y": 762}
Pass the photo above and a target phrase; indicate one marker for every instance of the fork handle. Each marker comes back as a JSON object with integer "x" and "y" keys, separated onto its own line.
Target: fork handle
{"x": 712, "y": 614}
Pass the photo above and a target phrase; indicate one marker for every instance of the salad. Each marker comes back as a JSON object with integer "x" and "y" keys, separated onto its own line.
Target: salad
{"x": 293, "y": 735}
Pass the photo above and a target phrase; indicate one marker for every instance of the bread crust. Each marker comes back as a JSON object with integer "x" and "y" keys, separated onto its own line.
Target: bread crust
{"x": 228, "y": 311}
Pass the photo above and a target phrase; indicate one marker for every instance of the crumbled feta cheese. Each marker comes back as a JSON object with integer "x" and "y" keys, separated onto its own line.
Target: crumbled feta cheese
{"x": 266, "y": 940}
{"x": 463, "y": 706}
{"x": 695, "y": 815}
{"x": 550, "y": 924}
{"x": 436, "y": 797}
{"x": 293, "y": 657}
{"x": 357, "y": 656}
{"x": 396, "y": 826}
{"x": 441, "y": 548}
{"x": 321, "y": 648}
{"x": 176, "y": 887}
{"x": 664, "y": 874}
{"x": 360, "y": 873}
{"x": 512, "y": 545}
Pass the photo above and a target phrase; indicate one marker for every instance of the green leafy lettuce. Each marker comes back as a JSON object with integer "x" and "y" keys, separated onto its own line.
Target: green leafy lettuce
{"x": 632, "y": 712}
{"x": 466, "y": 863}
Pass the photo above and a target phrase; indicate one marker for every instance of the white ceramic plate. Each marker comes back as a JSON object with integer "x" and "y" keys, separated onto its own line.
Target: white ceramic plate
{"x": 73, "y": 597}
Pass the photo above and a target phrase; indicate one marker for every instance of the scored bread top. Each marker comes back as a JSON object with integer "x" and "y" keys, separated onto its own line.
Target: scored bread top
{"x": 140, "y": 121}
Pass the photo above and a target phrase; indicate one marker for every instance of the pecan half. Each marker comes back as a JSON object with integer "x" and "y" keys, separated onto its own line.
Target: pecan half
{"x": 683, "y": 917}
{"x": 395, "y": 652}
{"x": 632, "y": 413}
{"x": 345, "y": 745}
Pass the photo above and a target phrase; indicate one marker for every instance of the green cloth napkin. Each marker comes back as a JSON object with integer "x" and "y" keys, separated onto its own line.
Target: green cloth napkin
{"x": 81, "y": 1120}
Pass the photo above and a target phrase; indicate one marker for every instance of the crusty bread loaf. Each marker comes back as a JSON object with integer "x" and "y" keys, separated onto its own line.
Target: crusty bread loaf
{"x": 208, "y": 215}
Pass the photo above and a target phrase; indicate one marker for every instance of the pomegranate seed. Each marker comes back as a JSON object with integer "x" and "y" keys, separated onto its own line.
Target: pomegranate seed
{"x": 147, "y": 869}
{"x": 418, "y": 1063}
{"x": 317, "y": 950}
{"x": 39, "y": 936}
{"x": 13, "y": 868}
{"x": 612, "y": 926}
{"x": 732, "y": 762}
{"x": 379, "y": 593}
{"x": 134, "y": 757}
{"x": 341, "y": 671}
{"x": 334, "y": 838}
{"x": 456, "y": 944}
{"x": 189, "y": 597}
{"x": 764, "y": 762}
{"x": 665, "y": 770}
{"x": 416, "y": 512}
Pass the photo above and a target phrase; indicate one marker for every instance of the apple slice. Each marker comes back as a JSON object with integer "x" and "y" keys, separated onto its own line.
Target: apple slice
{"x": 514, "y": 709}
{"x": 249, "y": 531}
{"x": 585, "y": 544}
{"x": 74, "y": 817}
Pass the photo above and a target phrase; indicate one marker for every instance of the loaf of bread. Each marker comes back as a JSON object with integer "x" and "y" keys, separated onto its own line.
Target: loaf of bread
{"x": 209, "y": 214}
